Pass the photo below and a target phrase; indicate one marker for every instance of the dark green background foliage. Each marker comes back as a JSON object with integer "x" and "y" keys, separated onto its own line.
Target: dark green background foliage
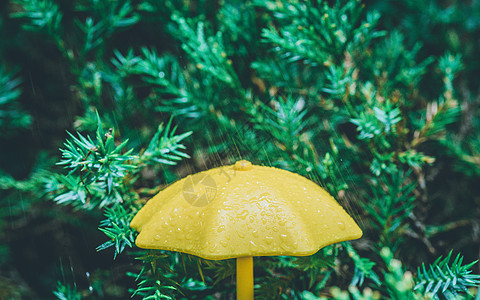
{"x": 377, "y": 101}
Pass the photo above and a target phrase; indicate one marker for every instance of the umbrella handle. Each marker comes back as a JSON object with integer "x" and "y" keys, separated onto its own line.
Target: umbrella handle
{"x": 245, "y": 278}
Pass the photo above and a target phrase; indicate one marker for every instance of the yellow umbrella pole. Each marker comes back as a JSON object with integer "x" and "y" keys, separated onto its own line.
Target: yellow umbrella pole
{"x": 245, "y": 278}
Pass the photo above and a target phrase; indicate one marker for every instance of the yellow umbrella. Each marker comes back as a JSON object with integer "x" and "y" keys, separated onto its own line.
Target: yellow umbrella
{"x": 240, "y": 211}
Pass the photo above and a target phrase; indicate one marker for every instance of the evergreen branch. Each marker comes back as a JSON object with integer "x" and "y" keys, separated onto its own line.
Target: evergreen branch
{"x": 294, "y": 49}
{"x": 363, "y": 267}
{"x": 97, "y": 161}
{"x": 323, "y": 259}
{"x": 166, "y": 77}
{"x": 433, "y": 125}
{"x": 41, "y": 15}
{"x": 70, "y": 190}
{"x": 438, "y": 115}
{"x": 102, "y": 167}
{"x": 392, "y": 202}
{"x": 31, "y": 184}
{"x": 368, "y": 126}
{"x": 316, "y": 264}
{"x": 398, "y": 282}
{"x": 352, "y": 294}
{"x": 165, "y": 147}
{"x": 9, "y": 87}
{"x": 239, "y": 28}
{"x": 272, "y": 288}
{"x": 468, "y": 153}
{"x": 159, "y": 71}
{"x": 281, "y": 75}
{"x": 12, "y": 117}
{"x": 100, "y": 164}
{"x": 318, "y": 34}
{"x": 445, "y": 280}
{"x": 153, "y": 280}
{"x": 378, "y": 122}
{"x": 450, "y": 65}
{"x": 396, "y": 65}
{"x": 93, "y": 34}
{"x": 415, "y": 159}
{"x": 117, "y": 228}
{"x": 67, "y": 292}
{"x": 337, "y": 81}
{"x": 286, "y": 121}
{"x": 110, "y": 15}
{"x": 125, "y": 64}
{"x": 388, "y": 116}
{"x": 222, "y": 269}
{"x": 206, "y": 51}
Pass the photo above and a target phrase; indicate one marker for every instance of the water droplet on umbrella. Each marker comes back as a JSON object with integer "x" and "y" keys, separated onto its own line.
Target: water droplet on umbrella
{"x": 285, "y": 247}
{"x": 253, "y": 246}
{"x": 295, "y": 245}
{"x": 243, "y": 214}
{"x": 268, "y": 240}
{"x": 265, "y": 195}
{"x": 240, "y": 234}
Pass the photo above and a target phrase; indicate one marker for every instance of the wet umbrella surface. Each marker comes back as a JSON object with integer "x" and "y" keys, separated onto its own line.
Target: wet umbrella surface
{"x": 240, "y": 211}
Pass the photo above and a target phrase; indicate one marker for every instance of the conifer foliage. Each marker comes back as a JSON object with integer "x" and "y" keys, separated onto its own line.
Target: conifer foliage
{"x": 376, "y": 101}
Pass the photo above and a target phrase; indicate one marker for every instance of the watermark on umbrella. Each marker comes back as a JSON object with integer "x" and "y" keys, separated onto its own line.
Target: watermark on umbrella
{"x": 200, "y": 189}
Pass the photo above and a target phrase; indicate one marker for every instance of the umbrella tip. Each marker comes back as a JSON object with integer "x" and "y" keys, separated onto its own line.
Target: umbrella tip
{"x": 243, "y": 165}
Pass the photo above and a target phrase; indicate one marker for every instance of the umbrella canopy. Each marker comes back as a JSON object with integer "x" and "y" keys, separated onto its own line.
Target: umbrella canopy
{"x": 243, "y": 210}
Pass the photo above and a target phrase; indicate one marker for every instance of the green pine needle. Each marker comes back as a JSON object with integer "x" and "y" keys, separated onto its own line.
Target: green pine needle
{"x": 117, "y": 228}
{"x": 445, "y": 280}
